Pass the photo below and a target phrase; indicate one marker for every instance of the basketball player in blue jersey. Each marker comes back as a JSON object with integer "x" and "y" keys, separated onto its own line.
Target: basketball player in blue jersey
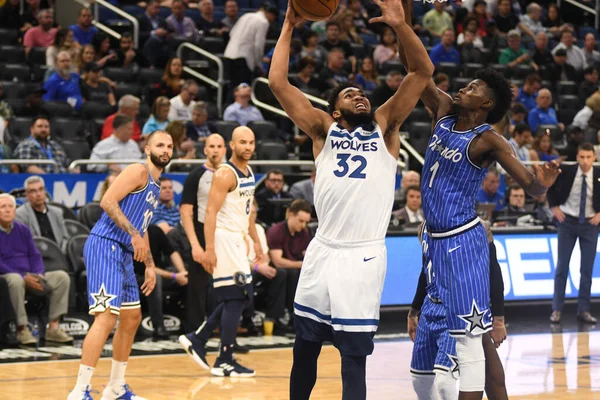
{"x": 227, "y": 223}
{"x": 339, "y": 291}
{"x": 463, "y": 145}
{"x": 114, "y": 242}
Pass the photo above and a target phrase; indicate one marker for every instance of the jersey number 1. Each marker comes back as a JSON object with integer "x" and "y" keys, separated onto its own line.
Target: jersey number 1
{"x": 345, "y": 168}
{"x": 433, "y": 169}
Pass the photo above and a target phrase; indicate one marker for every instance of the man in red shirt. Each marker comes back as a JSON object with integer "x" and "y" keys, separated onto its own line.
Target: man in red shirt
{"x": 128, "y": 105}
{"x": 41, "y": 35}
{"x": 288, "y": 241}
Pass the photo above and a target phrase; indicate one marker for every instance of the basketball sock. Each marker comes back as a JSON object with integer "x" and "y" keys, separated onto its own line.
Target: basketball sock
{"x": 84, "y": 378}
{"x": 304, "y": 369}
{"x": 117, "y": 373}
{"x": 206, "y": 329}
{"x": 232, "y": 311}
{"x": 354, "y": 371}
{"x": 424, "y": 386}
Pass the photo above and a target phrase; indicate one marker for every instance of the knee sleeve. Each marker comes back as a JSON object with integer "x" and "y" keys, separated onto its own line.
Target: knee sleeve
{"x": 445, "y": 383}
{"x": 424, "y": 387}
{"x": 471, "y": 361}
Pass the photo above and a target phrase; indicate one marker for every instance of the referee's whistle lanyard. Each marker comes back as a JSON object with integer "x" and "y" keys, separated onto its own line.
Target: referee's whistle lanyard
{"x": 47, "y": 150}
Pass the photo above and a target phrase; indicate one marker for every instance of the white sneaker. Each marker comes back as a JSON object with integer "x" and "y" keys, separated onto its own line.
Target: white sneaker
{"x": 77, "y": 394}
{"x": 120, "y": 393}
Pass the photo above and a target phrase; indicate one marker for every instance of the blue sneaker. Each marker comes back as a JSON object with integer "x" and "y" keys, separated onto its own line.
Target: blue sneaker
{"x": 82, "y": 395}
{"x": 195, "y": 348}
{"x": 120, "y": 393}
{"x": 231, "y": 368}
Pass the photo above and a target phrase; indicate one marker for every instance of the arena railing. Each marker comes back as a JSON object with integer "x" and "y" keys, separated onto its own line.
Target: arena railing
{"x": 594, "y": 11}
{"x": 404, "y": 152}
{"x": 28, "y": 162}
{"x": 118, "y": 11}
{"x": 219, "y": 84}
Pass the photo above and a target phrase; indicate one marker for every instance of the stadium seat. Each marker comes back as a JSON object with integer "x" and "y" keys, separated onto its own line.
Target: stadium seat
{"x": 17, "y": 105}
{"x": 57, "y": 108}
{"x": 264, "y": 130}
{"x": 75, "y": 228}
{"x": 522, "y": 71}
{"x": 93, "y": 109}
{"x": 9, "y": 37}
{"x": 272, "y": 150}
{"x": 15, "y": 72}
{"x": 124, "y": 75}
{"x": 503, "y": 69}
{"x": 67, "y": 128}
{"x": 76, "y": 149}
{"x": 450, "y": 69}
{"x": 225, "y": 128}
{"x": 392, "y": 65}
{"x": 553, "y": 130}
{"x": 14, "y": 90}
{"x": 358, "y": 50}
{"x": 19, "y": 128}
{"x": 68, "y": 213}
{"x": 215, "y": 45}
{"x": 458, "y": 83}
{"x": 12, "y": 54}
{"x": 566, "y": 115}
{"x": 89, "y": 214}
{"x": 419, "y": 130}
{"x": 77, "y": 266}
{"x": 37, "y": 56}
{"x": 38, "y": 73}
{"x": 128, "y": 88}
{"x": 418, "y": 115}
{"x": 147, "y": 76}
{"x": 566, "y": 87}
{"x": 570, "y": 102}
{"x": 470, "y": 69}
{"x": 52, "y": 255}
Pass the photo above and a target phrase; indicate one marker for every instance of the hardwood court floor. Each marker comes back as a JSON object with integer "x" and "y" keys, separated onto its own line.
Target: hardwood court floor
{"x": 538, "y": 366}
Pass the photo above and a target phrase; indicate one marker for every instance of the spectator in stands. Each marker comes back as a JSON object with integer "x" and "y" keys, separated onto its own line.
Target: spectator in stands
{"x": 553, "y": 19}
{"x": 591, "y": 55}
{"x": 241, "y": 110}
{"x": 170, "y": 275}
{"x": 198, "y": 129}
{"x": 166, "y": 216}
{"x": 207, "y": 23}
{"x": 514, "y": 54}
{"x": 387, "y": 49}
{"x": 589, "y": 86}
{"x": 271, "y": 212}
{"x": 63, "y": 40}
{"x": 542, "y": 149}
{"x": 583, "y": 118}
{"x": 39, "y": 147}
{"x": 543, "y": 114}
{"x": 182, "y": 105}
{"x": 506, "y": 19}
{"x": 8, "y": 317}
{"x": 442, "y": 82}
{"x": 383, "y": 92}
{"x": 184, "y": 147}
{"x": 41, "y": 35}
{"x": 63, "y": 85}
{"x": 515, "y": 213}
{"x": 409, "y": 178}
{"x": 160, "y": 116}
{"x": 411, "y": 214}
{"x": 83, "y": 31}
{"x": 366, "y": 78}
{"x": 10, "y": 17}
{"x": 481, "y": 14}
{"x": 518, "y": 115}
{"x": 560, "y": 69}
{"x": 126, "y": 56}
{"x": 101, "y": 44}
{"x": 6, "y": 154}
{"x": 306, "y": 79}
{"x": 247, "y": 43}
{"x": 172, "y": 81}
{"x": 183, "y": 27}
{"x": 360, "y": 16}
{"x": 540, "y": 55}
{"x": 493, "y": 40}
{"x": 348, "y": 31}
{"x": 437, "y": 20}
{"x": 22, "y": 267}
{"x": 6, "y": 111}
{"x": 575, "y": 56}
{"x": 128, "y": 105}
{"x": 471, "y": 25}
{"x": 94, "y": 90}
{"x": 575, "y": 137}
{"x": 305, "y": 188}
{"x": 31, "y": 10}
{"x": 312, "y": 48}
{"x": 42, "y": 218}
{"x": 469, "y": 52}
{"x": 528, "y": 93}
{"x": 118, "y": 146}
{"x": 531, "y": 23}
{"x": 333, "y": 41}
{"x": 156, "y": 50}
{"x": 232, "y": 14}
{"x": 489, "y": 192}
{"x": 333, "y": 73}
{"x": 33, "y": 103}
{"x": 521, "y": 141}
{"x": 445, "y": 50}
{"x": 288, "y": 241}
{"x": 112, "y": 176}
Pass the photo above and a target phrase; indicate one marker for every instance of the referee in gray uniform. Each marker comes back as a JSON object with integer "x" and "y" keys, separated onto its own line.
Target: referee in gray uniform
{"x": 192, "y": 208}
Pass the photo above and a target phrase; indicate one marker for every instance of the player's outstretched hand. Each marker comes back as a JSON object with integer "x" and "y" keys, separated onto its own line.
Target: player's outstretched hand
{"x": 498, "y": 333}
{"x": 140, "y": 249}
{"x": 546, "y": 174}
{"x": 292, "y": 16}
{"x": 210, "y": 261}
{"x": 392, "y": 13}
{"x": 149, "y": 281}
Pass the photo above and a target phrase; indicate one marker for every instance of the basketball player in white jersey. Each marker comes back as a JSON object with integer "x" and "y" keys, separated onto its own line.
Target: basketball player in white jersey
{"x": 227, "y": 222}
{"x": 339, "y": 291}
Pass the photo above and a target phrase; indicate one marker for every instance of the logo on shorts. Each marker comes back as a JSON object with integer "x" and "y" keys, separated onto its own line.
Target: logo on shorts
{"x": 240, "y": 279}
{"x": 102, "y": 299}
{"x": 365, "y": 259}
{"x": 474, "y": 320}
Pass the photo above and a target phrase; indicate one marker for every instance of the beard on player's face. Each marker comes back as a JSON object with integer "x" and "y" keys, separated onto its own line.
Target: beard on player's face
{"x": 159, "y": 160}
{"x": 355, "y": 119}
{"x": 243, "y": 153}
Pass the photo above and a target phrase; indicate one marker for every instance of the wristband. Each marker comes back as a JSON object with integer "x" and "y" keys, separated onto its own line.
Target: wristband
{"x": 256, "y": 268}
{"x": 174, "y": 277}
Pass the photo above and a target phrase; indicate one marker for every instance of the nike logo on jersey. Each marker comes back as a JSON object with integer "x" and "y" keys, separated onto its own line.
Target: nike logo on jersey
{"x": 454, "y": 248}
{"x": 368, "y": 259}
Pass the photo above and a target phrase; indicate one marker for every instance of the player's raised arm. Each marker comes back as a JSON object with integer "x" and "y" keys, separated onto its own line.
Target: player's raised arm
{"x": 439, "y": 102}
{"x": 134, "y": 177}
{"x": 223, "y": 181}
{"x": 311, "y": 120}
{"x": 420, "y": 69}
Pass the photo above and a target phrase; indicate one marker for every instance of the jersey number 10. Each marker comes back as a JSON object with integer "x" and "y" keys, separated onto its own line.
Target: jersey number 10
{"x": 147, "y": 218}
{"x": 357, "y": 173}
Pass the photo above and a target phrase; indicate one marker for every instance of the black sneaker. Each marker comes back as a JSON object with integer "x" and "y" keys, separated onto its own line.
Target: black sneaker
{"x": 231, "y": 368}
{"x": 195, "y": 348}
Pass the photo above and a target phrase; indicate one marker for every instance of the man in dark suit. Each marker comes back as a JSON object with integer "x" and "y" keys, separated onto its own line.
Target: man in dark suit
{"x": 156, "y": 49}
{"x": 575, "y": 202}
{"x": 412, "y": 213}
{"x": 271, "y": 208}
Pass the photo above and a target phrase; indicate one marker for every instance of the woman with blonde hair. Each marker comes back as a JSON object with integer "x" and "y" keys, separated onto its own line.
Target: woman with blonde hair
{"x": 183, "y": 147}
{"x": 542, "y": 149}
{"x": 348, "y": 30}
{"x": 63, "y": 41}
{"x": 159, "y": 118}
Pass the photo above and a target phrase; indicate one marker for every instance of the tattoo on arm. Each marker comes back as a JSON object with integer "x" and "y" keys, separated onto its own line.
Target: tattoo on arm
{"x": 149, "y": 261}
{"x": 116, "y": 214}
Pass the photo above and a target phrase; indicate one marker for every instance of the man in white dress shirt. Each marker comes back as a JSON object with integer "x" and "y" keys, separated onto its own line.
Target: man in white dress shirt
{"x": 117, "y": 146}
{"x": 412, "y": 213}
{"x": 183, "y": 104}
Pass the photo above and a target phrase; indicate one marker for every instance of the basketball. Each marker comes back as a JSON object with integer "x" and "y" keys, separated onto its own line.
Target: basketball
{"x": 315, "y": 10}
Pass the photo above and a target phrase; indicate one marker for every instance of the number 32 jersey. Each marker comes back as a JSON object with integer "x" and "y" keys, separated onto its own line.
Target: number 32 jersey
{"x": 450, "y": 180}
{"x": 138, "y": 207}
{"x": 354, "y": 186}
